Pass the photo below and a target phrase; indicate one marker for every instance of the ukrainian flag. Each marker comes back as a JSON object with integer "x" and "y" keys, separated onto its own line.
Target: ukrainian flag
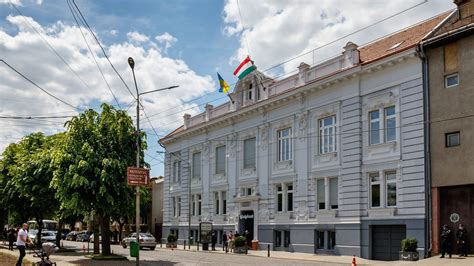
{"x": 224, "y": 87}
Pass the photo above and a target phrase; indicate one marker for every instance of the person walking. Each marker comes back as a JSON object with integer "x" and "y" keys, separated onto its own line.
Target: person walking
{"x": 230, "y": 238}
{"x": 11, "y": 238}
{"x": 248, "y": 238}
{"x": 214, "y": 240}
{"x": 446, "y": 241}
{"x": 224, "y": 241}
{"x": 21, "y": 242}
{"x": 461, "y": 235}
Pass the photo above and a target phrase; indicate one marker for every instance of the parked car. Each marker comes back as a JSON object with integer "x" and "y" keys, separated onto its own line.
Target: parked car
{"x": 82, "y": 236}
{"x": 72, "y": 236}
{"x": 147, "y": 240}
{"x": 32, "y": 235}
{"x": 91, "y": 238}
{"x": 48, "y": 236}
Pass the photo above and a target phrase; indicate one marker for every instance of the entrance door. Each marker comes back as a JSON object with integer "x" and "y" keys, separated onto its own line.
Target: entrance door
{"x": 386, "y": 241}
{"x": 246, "y": 220}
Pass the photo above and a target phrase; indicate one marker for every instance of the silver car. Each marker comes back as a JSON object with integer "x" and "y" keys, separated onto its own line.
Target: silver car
{"x": 147, "y": 240}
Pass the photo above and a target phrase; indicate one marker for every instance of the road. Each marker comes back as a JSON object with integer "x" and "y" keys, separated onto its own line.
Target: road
{"x": 185, "y": 257}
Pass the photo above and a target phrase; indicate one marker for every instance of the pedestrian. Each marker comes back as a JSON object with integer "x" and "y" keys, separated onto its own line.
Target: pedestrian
{"x": 224, "y": 241}
{"x": 11, "y": 238}
{"x": 214, "y": 240}
{"x": 231, "y": 241}
{"x": 446, "y": 241}
{"x": 21, "y": 242}
{"x": 461, "y": 235}
{"x": 248, "y": 237}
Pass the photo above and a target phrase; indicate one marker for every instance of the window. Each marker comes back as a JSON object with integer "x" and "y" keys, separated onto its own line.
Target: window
{"x": 383, "y": 191}
{"x": 320, "y": 239}
{"x": 176, "y": 171}
{"x": 331, "y": 239}
{"x": 284, "y": 144}
{"x": 278, "y": 237}
{"x": 220, "y": 160}
{"x": 374, "y": 189}
{"x": 277, "y": 241}
{"x": 196, "y": 204}
{"x": 279, "y": 198}
{"x": 249, "y": 92}
{"x": 249, "y": 153}
{"x": 224, "y": 202}
{"x": 284, "y": 197}
{"x": 451, "y": 80}
{"x": 197, "y": 165}
{"x": 391, "y": 182}
{"x": 289, "y": 198}
{"x": 382, "y": 132}
{"x": 453, "y": 139}
{"x": 374, "y": 133}
{"x": 246, "y": 191}
{"x": 216, "y": 203}
{"x": 390, "y": 124}
{"x": 327, "y": 134}
{"x": 287, "y": 239}
{"x": 333, "y": 193}
{"x": 320, "y": 194}
{"x": 176, "y": 201}
{"x": 220, "y": 202}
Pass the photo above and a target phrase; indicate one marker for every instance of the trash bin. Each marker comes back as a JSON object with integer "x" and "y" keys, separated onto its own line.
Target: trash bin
{"x": 134, "y": 249}
{"x": 254, "y": 244}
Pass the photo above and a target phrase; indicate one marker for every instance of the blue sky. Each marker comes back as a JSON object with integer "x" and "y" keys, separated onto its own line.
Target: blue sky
{"x": 181, "y": 42}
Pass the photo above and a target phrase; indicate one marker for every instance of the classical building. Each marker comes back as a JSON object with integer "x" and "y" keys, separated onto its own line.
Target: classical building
{"x": 449, "y": 69}
{"x": 329, "y": 160}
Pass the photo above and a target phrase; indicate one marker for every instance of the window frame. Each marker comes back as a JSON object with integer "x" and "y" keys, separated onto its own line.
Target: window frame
{"x": 383, "y": 182}
{"x": 382, "y": 121}
{"x": 318, "y": 202}
{"x": 446, "y": 77}
{"x": 196, "y": 174}
{"x": 387, "y": 182}
{"x": 447, "y": 135}
{"x": 386, "y": 119}
{"x": 380, "y": 185}
{"x": 325, "y": 135}
{"x": 373, "y": 121}
{"x": 246, "y": 164}
{"x": 284, "y": 145}
{"x": 217, "y": 169}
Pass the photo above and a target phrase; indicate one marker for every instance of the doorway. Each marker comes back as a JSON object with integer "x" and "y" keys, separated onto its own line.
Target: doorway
{"x": 246, "y": 222}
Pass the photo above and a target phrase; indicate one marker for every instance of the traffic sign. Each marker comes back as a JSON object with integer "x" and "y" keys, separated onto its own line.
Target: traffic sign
{"x": 138, "y": 176}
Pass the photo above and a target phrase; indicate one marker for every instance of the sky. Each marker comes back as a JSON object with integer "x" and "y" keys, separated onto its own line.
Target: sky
{"x": 179, "y": 42}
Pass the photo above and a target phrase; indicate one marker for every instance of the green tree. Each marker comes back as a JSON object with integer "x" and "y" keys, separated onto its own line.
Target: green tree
{"x": 91, "y": 167}
{"x": 27, "y": 174}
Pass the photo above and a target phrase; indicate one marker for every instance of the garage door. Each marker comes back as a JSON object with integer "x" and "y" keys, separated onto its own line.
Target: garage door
{"x": 386, "y": 241}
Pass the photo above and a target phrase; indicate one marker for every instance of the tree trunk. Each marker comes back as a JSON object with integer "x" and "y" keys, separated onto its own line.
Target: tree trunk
{"x": 105, "y": 229}
{"x": 96, "y": 233}
{"x": 59, "y": 235}
{"x": 120, "y": 231}
{"x": 40, "y": 229}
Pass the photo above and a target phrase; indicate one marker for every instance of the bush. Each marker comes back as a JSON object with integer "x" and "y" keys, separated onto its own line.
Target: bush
{"x": 240, "y": 241}
{"x": 172, "y": 238}
{"x": 409, "y": 244}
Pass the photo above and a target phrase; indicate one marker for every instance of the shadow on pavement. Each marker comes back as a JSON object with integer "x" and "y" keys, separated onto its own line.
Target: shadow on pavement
{"x": 120, "y": 263}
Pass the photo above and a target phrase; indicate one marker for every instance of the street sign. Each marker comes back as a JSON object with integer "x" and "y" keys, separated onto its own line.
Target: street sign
{"x": 205, "y": 231}
{"x": 138, "y": 176}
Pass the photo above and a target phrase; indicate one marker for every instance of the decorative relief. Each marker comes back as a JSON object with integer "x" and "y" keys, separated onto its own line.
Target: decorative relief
{"x": 264, "y": 136}
{"x": 233, "y": 144}
{"x": 302, "y": 124}
{"x": 302, "y": 212}
{"x": 206, "y": 149}
{"x": 264, "y": 213}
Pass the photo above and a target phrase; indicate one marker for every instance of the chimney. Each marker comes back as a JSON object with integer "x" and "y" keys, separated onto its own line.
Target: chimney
{"x": 187, "y": 120}
{"x": 208, "y": 111}
{"x": 351, "y": 54}
{"x": 303, "y": 69}
{"x": 465, "y": 8}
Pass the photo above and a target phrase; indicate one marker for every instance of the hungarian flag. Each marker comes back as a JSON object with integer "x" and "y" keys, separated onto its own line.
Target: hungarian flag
{"x": 244, "y": 68}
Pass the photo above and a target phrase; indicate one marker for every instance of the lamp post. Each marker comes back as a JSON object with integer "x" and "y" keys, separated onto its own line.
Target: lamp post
{"x": 131, "y": 63}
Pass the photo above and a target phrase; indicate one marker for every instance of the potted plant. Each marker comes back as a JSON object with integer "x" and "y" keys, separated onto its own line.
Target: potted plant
{"x": 409, "y": 252}
{"x": 240, "y": 243}
{"x": 172, "y": 241}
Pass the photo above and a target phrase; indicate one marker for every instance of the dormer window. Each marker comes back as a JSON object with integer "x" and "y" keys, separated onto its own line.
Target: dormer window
{"x": 249, "y": 92}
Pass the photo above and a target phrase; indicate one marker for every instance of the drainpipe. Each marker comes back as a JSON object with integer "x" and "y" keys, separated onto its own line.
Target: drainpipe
{"x": 426, "y": 128}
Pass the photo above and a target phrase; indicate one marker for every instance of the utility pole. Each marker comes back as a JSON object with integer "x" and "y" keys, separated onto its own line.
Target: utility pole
{"x": 131, "y": 63}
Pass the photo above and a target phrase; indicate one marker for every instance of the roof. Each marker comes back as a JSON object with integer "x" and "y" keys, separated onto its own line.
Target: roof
{"x": 455, "y": 22}
{"x": 399, "y": 41}
{"x": 385, "y": 46}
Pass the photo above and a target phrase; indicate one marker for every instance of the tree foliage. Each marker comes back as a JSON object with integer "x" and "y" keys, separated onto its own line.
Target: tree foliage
{"x": 91, "y": 166}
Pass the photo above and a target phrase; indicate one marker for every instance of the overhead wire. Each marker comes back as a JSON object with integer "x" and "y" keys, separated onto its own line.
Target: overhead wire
{"x": 92, "y": 53}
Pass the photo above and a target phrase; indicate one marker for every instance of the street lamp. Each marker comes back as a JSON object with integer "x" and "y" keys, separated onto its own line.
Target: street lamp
{"x": 131, "y": 63}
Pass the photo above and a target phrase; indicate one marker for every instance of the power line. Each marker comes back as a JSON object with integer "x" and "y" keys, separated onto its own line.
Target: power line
{"x": 308, "y": 52}
{"x": 50, "y": 46}
{"x": 92, "y": 53}
{"x": 35, "y": 117}
{"x": 36, "y": 85}
{"x": 102, "y": 48}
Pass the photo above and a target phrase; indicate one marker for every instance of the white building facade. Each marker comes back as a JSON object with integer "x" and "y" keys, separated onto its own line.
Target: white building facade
{"x": 330, "y": 160}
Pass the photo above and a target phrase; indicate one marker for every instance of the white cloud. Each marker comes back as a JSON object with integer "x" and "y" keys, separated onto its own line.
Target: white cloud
{"x": 137, "y": 37}
{"x": 26, "y": 51}
{"x": 166, "y": 39}
{"x": 113, "y": 32}
{"x": 279, "y": 30}
{"x": 15, "y": 2}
